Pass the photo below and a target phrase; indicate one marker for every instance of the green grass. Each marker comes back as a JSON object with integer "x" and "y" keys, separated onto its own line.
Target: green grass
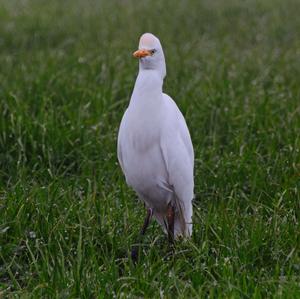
{"x": 67, "y": 218}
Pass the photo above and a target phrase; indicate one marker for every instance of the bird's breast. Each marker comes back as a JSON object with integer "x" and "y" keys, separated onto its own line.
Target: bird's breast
{"x": 142, "y": 157}
{"x": 146, "y": 173}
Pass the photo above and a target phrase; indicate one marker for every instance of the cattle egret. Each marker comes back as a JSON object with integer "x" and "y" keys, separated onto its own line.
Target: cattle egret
{"x": 155, "y": 150}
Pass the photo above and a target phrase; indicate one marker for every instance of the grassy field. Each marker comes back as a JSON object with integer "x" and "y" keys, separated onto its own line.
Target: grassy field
{"x": 67, "y": 218}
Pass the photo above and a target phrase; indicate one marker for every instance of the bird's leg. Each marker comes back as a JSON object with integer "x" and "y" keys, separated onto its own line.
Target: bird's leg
{"x": 170, "y": 220}
{"x": 147, "y": 221}
{"x": 134, "y": 251}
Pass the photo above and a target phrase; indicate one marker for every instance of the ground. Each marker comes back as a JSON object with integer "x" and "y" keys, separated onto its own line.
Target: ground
{"x": 67, "y": 217}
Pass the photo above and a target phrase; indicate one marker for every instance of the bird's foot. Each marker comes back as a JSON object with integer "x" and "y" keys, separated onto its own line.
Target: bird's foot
{"x": 135, "y": 254}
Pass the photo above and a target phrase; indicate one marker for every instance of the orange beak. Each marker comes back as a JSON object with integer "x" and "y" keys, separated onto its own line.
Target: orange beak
{"x": 141, "y": 53}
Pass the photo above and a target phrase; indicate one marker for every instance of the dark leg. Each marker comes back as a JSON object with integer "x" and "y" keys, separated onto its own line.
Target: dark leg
{"x": 170, "y": 220}
{"x": 135, "y": 249}
{"x": 147, "y": 221}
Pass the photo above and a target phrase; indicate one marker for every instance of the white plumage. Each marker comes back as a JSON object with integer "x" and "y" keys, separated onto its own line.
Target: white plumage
{"x": 155, "y": 150}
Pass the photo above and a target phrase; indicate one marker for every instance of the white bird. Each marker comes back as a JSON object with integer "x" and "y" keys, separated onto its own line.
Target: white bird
{"x": 155, "y": 150}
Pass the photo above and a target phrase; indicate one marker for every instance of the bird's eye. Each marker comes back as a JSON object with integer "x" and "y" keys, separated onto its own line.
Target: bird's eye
{"x": 152, "y": 51}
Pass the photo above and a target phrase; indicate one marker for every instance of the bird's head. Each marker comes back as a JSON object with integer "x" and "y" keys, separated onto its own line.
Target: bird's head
{"x": 150, "y": 54}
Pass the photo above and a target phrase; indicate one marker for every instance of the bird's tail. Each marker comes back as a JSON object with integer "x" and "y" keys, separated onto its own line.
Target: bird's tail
{"x": 183, "y": 218}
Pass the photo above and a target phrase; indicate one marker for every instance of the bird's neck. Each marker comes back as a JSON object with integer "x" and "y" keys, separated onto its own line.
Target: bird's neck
{"x": 148, "y": 87}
